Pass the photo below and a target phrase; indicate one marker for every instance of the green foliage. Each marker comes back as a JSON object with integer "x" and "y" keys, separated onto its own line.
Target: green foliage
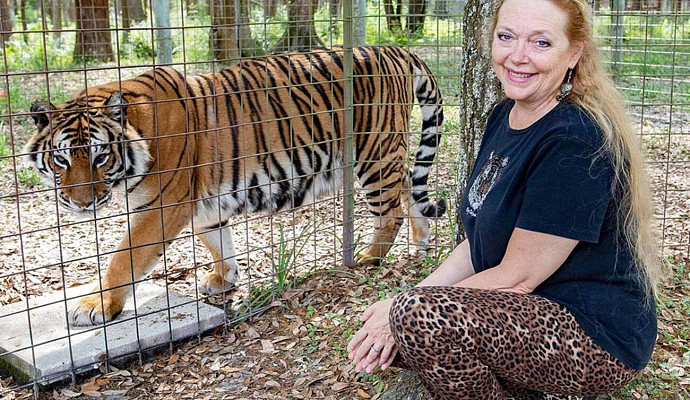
{"x": 284, "y": 261}
{"x": 39, "y": 52}
{"x": 28, "y": 177}
{"x": 5, "y": 148}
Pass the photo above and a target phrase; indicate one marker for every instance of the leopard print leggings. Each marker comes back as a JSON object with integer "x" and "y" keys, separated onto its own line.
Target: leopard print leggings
{"x": 478, "y": 344}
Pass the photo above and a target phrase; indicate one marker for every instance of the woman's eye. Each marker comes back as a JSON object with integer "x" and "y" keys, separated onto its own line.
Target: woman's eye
{"x": 503, "y": 36}
{"x": 543, "y": 43}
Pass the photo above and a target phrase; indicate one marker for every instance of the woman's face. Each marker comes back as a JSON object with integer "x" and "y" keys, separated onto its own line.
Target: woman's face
{"x": 530, "y": 50}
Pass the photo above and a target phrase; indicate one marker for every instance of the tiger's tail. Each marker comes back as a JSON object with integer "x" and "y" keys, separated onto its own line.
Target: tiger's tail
{"x": 429, "y": 98}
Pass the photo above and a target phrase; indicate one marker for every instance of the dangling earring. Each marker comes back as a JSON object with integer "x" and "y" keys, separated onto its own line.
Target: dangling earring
{"x": 567, "y": 87}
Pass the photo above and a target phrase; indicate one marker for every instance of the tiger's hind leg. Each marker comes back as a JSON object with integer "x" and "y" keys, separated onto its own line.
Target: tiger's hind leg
{"x": 421, "y": 230}
{"x": 384, "y": 201}
{"x": 218, "y": 240}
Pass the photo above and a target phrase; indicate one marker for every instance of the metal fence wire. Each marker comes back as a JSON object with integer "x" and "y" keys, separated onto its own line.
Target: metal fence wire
{"x": 174, "y": 180}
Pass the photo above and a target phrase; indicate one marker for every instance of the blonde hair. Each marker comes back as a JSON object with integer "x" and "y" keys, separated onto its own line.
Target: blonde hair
{"x": 595, "y": 92}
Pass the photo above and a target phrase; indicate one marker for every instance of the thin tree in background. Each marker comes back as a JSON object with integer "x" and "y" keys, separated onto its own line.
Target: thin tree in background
{"x": 300, "y": 32}
{"x": 224, "y": 41}
{"x": 56, "y": 16}
{"x": 231, "y": 38}
{"x": 161, "y": 13}
{"x": 334, "y": 14}
{"x": 271, "y": 9}
{"x": 6, "y": 21}
{"x": 416, "y": 14}
{"x": 93, "y": 31}
{"x": 135, "y": 10}
{"x": 393, "y": 10}
{"x": 22, "y": 17}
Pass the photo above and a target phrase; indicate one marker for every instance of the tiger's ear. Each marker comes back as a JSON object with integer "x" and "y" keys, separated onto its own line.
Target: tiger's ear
{"x": 117, "y": 108}
{"x": 41, "y": 113}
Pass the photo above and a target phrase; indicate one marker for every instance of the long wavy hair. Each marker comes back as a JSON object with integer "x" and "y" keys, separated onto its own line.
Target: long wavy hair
{"x": 595, "y": 92}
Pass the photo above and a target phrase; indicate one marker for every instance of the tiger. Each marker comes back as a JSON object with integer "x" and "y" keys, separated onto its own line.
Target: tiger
{"x": 264, "y": 135}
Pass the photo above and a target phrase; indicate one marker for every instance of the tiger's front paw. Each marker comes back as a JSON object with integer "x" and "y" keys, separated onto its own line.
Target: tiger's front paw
{"x": 213, "y": 283}
{"x": 368, "y": 260}
{"x": 89, "y": 310}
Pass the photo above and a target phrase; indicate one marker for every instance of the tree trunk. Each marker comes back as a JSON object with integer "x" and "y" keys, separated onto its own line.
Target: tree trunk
{"x": 248, "y": 46}
{"x": 56, "y": 8}
{"x": 231, "y": 38}
{"x": 70, "y": 11}
{"x": 6, "y": 21}
{"x": 22, "y": 14}
{"x": 393, "y": 12}
{"x": 481, "y": 92}
{"x": 416, "y": 12}
{"x": 270, "y": 9}
{"x": 161, "y": 13}
{"x": 441, "y": 9}
{"x": 126, "y": 20}
{"x": 334, "y": 15}
{"x": 93, "y": 31}
{"x": 300, "y": 32}
{"x": 359, "y": 29}
{"x": 136, "y": 11}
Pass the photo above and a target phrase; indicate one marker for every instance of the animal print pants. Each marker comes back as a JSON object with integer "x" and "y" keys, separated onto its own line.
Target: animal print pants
{"x": 478, "y": 344}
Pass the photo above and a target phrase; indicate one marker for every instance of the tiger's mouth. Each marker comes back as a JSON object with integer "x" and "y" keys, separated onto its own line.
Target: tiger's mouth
{"x": 84, "y": 210}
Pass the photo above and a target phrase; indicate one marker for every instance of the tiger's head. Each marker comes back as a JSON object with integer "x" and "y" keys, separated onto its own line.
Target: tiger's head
{"x": 86, "y": 147}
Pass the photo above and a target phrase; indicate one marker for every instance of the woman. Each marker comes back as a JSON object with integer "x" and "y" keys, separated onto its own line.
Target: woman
{"x": 552, "y": 292}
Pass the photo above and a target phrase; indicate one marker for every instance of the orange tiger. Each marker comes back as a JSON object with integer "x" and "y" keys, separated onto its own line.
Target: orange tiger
{"x": 263, "y": 135}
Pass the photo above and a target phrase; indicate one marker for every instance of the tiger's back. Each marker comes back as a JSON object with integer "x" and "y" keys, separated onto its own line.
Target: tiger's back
{"x": 264, "y": 135}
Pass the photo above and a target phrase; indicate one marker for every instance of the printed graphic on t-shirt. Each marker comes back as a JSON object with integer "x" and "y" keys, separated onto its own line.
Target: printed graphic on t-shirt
{"x": 488, "y": 176}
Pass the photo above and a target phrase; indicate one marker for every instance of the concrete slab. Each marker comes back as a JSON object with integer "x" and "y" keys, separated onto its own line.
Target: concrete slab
{"x": 56, "y": 350}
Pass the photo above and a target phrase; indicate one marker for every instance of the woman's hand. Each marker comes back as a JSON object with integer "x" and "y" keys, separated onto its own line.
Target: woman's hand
{"x": 373, "y": 343}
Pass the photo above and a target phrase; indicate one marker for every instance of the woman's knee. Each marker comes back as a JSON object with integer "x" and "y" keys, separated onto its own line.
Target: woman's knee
{"x": 426, "y": 311}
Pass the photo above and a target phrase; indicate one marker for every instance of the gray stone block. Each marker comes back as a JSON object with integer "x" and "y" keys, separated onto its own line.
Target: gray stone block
{"x": 37, "y": 344}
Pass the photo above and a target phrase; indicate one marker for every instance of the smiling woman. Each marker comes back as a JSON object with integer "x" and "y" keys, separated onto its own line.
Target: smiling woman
{"x": 552, "y": 292}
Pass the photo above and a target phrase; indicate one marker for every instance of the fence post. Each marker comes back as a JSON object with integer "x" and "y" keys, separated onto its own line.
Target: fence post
{"x": 618, "y": 6}
{"x": 348, "y": 140}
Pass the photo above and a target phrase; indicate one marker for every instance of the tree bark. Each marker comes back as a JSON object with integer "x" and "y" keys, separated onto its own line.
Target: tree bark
{"x": 334, "y": 14}
{"x": 359, "y": 29}
{"x": 22, "y": 16}
{"x": 161, "y": 13}
{"x": 231, "y": 38}
{"x": 441, "y": 9}
{"x": 300, "y": 32}
{"x": 93, "y": 31}
{"x": 56, "y": 16}
{"x": 481, "y": 91}
{"x": 224, "y": 43}
{"x": 6, "y": 21}
{"x": 393, "y": 11}
{"x": 136, "y": 11}
{"x": 70, "y": 12}
{"x": 416, "y": 13}
{"x": 270, "y": 8}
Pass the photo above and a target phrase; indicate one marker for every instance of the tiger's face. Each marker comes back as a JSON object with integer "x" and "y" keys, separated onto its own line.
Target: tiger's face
{"x": 86, "y": 151}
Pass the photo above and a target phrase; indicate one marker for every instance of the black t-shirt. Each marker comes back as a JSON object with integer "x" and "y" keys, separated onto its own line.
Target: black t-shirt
{"x": 553, "y": 178}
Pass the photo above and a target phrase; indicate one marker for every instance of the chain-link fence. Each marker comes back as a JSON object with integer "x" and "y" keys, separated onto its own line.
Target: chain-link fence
{"x": 278, "y": 168}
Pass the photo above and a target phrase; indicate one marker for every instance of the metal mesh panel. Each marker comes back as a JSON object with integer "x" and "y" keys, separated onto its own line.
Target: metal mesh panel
{"x": 44, "y": 249}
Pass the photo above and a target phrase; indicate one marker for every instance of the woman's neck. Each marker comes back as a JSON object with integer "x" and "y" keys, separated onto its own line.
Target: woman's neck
{"x": 523, "y": 115}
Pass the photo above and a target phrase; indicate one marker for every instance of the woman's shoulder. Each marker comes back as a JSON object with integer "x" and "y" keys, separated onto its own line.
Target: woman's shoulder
{"x": 572, "y": 122}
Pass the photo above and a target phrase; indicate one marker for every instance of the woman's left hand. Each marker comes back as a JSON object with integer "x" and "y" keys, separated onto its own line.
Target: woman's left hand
{"x": 373, "y": 343}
